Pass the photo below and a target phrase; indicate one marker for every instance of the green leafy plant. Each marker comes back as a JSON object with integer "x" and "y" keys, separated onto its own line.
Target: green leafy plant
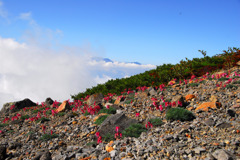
{"x": 91, "y": 143}
{"x": 236, "y": 82}
{"x": 193, "y": 84}
{"x": 134, "y": 130}
{"x": 48, "y": 112}
{"x": 156, "y": 121}
{"x": 47, "y": 137}
{"x": 128, "y": 101}
{"x": 231, "y": 86}
{"x": 29, "y": 133}
{"x": 86, "y": 113}
{"x": 10, "y": 131}
{"x": 61, "y": 114}
{"x": 108, "y": 137}
{"x": 35, "y": 111}
{"x": 43, "y": 119}
{"x": 25, "y": 117}
{"x": 111, "y": 110}
{"x": 179, "y": 114}
{"x": 3, "y": 125}
{"x": 101, "y": 119}
{"x": 223, "y": 79}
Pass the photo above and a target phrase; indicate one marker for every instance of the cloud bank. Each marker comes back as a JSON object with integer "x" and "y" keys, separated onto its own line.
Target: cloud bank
{"x": 29, "y": 71}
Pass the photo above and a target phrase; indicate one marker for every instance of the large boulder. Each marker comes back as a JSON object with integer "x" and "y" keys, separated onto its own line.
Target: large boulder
{"x": 18, "y": 105}
{"x": 48, "y": 101}
{"x": 95, "y": 98}
{"x": 110, "y": 123}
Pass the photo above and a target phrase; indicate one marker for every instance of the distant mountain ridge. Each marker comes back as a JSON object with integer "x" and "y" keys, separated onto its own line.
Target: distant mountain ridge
{"x": 98, "y": 59}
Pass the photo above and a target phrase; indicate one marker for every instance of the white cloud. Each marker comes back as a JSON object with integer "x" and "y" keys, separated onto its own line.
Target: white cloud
{"x": 37, "y": 73}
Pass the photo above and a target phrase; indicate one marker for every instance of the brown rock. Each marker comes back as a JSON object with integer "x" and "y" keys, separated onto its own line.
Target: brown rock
{"x": 206, "y": 105}
{"x": 189, "y": 97}
{"x": 64, "y": 106}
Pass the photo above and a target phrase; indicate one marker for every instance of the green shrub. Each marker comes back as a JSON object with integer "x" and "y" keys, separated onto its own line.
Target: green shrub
{"x": 100, "y": 119}
{"x": 230, "y": 86}
{"x": 92, "y": 143}
{"x": 29, "y": 133}
{"x": 3, "y": 125}
{"x": 128, "y": 101}
{"x": 156, "y": 121}
{"x": 108, "y": 137}
{"x": 203, "y": 82}
{"x": 61, "y": 114}
{"x": 47, "y": 137}
{"x": 112, "y": 101}
{"x": 43, "y": 119}
{"x": 134, "y": 130}
{"x": 223, "y": 79}
{"x": 10, "y": 131}
{"x": 86, "y": 113}
{"x": 193, "y": 84}
{"x": 48, "y": 112}
{"x": 179, "y": 114}
{"x": 111, "y": 110}
{"x": 35, "y": 111}
{"x": 25, "y": 117}
{"x": 236, "y": 82}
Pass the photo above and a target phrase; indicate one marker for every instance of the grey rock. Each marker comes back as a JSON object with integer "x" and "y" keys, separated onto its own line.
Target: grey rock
{"x": 113, "y": 153}
{"x": 104, "y": 156}
{"x": 122, "y": 154}
{"x": 152, "y": 92}
{"x": 223, "y": 125}
{"x": 46, "y": 156}
{"x": 210, "y": 122}
{"x": 109, "y": 124}
{"x": 222, "y": 154}
{"x": 48, "y": 101}
{"x": 199, "y": 150}
{"x": 18, "y": 105}
{"x": 95, "y": 98}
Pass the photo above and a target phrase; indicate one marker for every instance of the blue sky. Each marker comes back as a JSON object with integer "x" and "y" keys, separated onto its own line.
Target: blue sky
{"x": 49, "y": 48}
{"x": 151, "y": 32}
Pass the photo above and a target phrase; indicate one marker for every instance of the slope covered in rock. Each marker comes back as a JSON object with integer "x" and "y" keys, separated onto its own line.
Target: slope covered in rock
{"x": 197, "y": 118}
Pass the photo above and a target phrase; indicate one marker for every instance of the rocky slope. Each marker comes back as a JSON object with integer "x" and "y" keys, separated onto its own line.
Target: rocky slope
{"x": 50, "y": 131}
